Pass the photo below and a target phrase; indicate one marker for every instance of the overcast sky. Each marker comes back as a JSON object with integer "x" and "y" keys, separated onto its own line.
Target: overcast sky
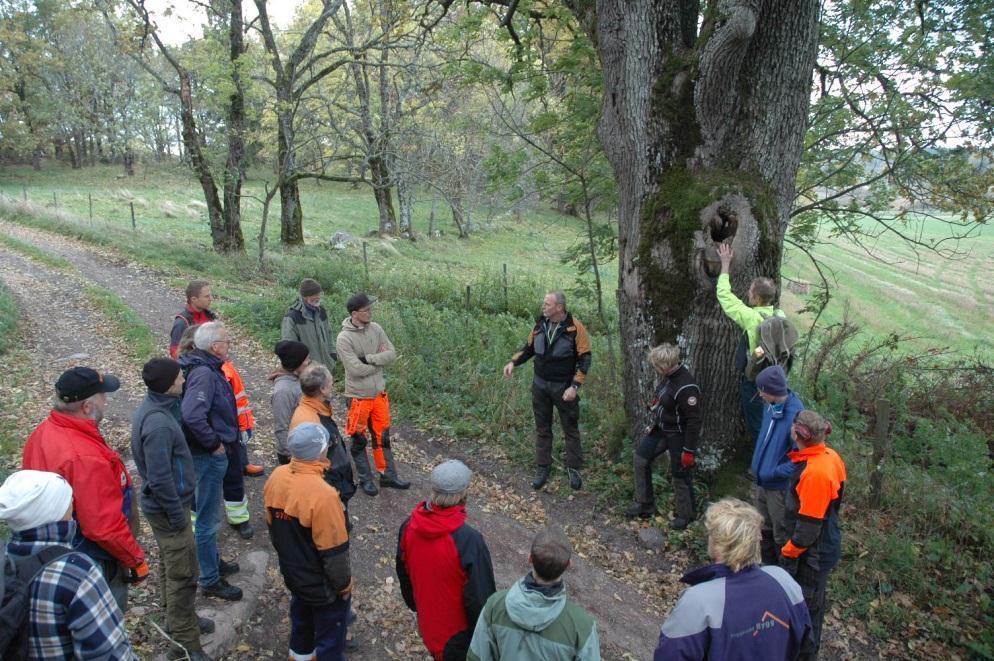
{"x": 187, "y": 17}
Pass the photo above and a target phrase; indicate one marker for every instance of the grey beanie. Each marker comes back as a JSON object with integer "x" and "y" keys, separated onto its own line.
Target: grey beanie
{"x": 451, "y": 476}
{"x": 307, "y": 441}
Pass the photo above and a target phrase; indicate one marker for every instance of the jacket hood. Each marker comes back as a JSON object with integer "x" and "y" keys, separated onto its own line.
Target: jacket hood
{"x": 710, "y": 572}
{"x": 431, "y": 523}
{"x": 530, "y": 609}
{"x": 199, "y": 357}
{"x": 348, "y": 325}
{"x": 280, "y": 374}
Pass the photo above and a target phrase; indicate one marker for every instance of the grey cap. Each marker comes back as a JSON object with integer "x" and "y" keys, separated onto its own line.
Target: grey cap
{"x": 307, "y": 441}
{"x": 450, "y": 476}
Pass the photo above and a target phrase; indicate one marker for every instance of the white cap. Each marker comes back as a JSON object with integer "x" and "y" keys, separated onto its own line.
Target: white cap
{"x": 29, "y": 499}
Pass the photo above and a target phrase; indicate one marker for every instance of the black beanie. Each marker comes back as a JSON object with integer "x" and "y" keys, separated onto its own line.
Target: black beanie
{"x": 160, "y": 373}
{"x": 291, "y": 354}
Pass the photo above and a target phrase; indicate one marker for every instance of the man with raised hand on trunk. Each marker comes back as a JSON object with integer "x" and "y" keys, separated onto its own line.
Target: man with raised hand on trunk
{"x": 747, "y": 316}
{"x": 68, "y": 442}
{"x": 365, "y": 350}
{"x": 561, "y": 348}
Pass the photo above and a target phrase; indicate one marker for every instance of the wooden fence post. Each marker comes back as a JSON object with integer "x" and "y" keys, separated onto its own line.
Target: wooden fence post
{"x": 55, "y": 200}
{"x": 467, "y": 296}
{"x": 133, "y": 225}
{"x": 365, "y": 261}
{"x": 505, "y": 288}
{"x": 881, "y": 448}
{"x": 89, "y": 197}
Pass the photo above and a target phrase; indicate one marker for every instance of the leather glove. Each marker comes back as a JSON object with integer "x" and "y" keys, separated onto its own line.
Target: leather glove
{"x": 137, "y": 574}
{"x": 686, "y": 458}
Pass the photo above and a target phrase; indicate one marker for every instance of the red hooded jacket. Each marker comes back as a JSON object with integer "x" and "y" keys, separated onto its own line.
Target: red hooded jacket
{"x": 101, "y": 486}
{"x": 446, "y": 575}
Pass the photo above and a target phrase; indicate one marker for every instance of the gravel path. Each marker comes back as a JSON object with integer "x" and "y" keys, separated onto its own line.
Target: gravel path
{"x": 628, "y": 589}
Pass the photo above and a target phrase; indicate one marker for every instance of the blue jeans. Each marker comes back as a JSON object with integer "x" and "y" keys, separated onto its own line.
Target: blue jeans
{"x": 319, "y": 630}
{"x": 210, "y": 470}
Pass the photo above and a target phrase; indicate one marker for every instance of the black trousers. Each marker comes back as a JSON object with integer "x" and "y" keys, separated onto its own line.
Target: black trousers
{"x": 546, "y": 396}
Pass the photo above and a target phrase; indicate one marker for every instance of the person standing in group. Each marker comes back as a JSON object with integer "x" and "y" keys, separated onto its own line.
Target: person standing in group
{"x": 747, "y": 315}
{"x": 735, "y": 608}
{"x": 69, "y": 442}
{"x": 770, "y": 464}
{"x": 294, "y": 359}
{"x": 165, "y": 464}
{"x": 813, "y": 501}
{"x": 534, "y": 620}
{"x": 316, "y": 383}
{"x": 307, "y": 528}
{"x": 307, "y": 321}
{"x": 197, "y": 311}
{"x": 210, "y": 420}
{"x": 444, "y": 565}
{"x": 365, "y": 350}
{"x": 675, "y": 428}
{"x": 70, "y": 611}
{"x": 561, "y": 348}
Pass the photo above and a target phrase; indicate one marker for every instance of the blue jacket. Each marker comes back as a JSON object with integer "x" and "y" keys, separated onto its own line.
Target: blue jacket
{"x": 755, "y": 613}
{"x": 770, "y": 463}
{"x": 210, "y": 415}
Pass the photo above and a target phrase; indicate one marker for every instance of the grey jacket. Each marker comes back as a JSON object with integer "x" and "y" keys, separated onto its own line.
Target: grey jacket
{"x": 363, "y": 360}
{"x": 163, "y": 458}
{"x": 301, "y": 324}
{"x": 283, "y": 402}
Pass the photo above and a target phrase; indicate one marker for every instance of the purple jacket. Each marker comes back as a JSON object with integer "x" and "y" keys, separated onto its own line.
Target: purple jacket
{"x": 756, "y": 613}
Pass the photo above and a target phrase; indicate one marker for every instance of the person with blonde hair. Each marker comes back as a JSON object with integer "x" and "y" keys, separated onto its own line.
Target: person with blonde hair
{"x": 736, "y": 608}
{"x": 675, "y": 428}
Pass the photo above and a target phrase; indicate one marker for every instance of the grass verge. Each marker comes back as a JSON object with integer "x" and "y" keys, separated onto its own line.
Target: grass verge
{"x": 139, "y": 339}
{"x": 37, "y": 254}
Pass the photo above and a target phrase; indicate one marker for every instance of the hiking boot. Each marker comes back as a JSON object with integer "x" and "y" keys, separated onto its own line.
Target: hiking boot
{"x": 351, "y": 644}
{"x": 541, "y": 477}
{"x": 227, "y": 568}
{"x": 640, "y": 510}
{"x": 203, "y": 624}
{"x": 199, "y": 656}
{"x": 680, "y": 523}
{"x": 575, "y": 481}
{"x": 245, "y": 530}
{"x": 389, "y": 478}
{"x": 393, "y": 482}
{"x": 369, "y": 488}
{"x": 223, "y": 590}
{"x": 254, "y": 470}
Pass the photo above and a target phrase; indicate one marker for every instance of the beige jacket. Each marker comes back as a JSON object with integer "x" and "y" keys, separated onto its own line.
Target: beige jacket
{"x": 364, "y": 380}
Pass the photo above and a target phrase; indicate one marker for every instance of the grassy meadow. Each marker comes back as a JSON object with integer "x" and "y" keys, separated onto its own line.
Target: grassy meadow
{"x": 925, "y": 553}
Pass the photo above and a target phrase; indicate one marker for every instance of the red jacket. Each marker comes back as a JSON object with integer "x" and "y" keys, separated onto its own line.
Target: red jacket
{"x": 101, "y": 486}
{"x": 445, "y": 575}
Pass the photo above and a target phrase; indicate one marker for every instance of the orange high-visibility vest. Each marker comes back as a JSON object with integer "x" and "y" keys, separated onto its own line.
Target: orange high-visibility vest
{"x": 246, "y": 420}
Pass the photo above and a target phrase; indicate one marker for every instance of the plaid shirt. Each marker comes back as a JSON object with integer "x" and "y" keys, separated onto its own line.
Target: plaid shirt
{"x": 72, "y": 612}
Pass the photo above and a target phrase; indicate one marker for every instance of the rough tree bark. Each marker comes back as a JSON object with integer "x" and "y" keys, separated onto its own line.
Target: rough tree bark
{"x": 704, "y": 132}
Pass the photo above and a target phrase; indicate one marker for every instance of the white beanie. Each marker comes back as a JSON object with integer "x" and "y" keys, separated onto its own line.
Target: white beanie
{"x": 29, "y": 499}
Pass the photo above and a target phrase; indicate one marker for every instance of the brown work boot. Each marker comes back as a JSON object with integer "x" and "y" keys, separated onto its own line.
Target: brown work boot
{"x": 254, "y": 470}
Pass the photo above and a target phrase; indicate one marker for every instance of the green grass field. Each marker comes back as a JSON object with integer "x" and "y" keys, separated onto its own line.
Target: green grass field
{"x": 944, "y": 302}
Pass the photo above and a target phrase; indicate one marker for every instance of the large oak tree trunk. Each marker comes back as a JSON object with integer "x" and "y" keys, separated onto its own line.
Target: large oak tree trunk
{"x": 704, "y": 133}
{"x": 291, "y": 213}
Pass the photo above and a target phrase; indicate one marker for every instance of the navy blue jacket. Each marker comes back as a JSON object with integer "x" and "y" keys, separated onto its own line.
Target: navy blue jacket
{"x": 755, "y": 613}
{"x": 210, "y": 415}
{"x": 770, "y": 463}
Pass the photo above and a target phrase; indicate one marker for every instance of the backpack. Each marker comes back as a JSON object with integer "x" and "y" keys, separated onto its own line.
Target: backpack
{"x": 15, "y": 586}
{"x": 777, "y": 338}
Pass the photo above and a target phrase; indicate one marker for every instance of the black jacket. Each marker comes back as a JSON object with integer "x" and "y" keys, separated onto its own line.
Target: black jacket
{"x": 677, "y": 407}
{"x": 565, "y": 358}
